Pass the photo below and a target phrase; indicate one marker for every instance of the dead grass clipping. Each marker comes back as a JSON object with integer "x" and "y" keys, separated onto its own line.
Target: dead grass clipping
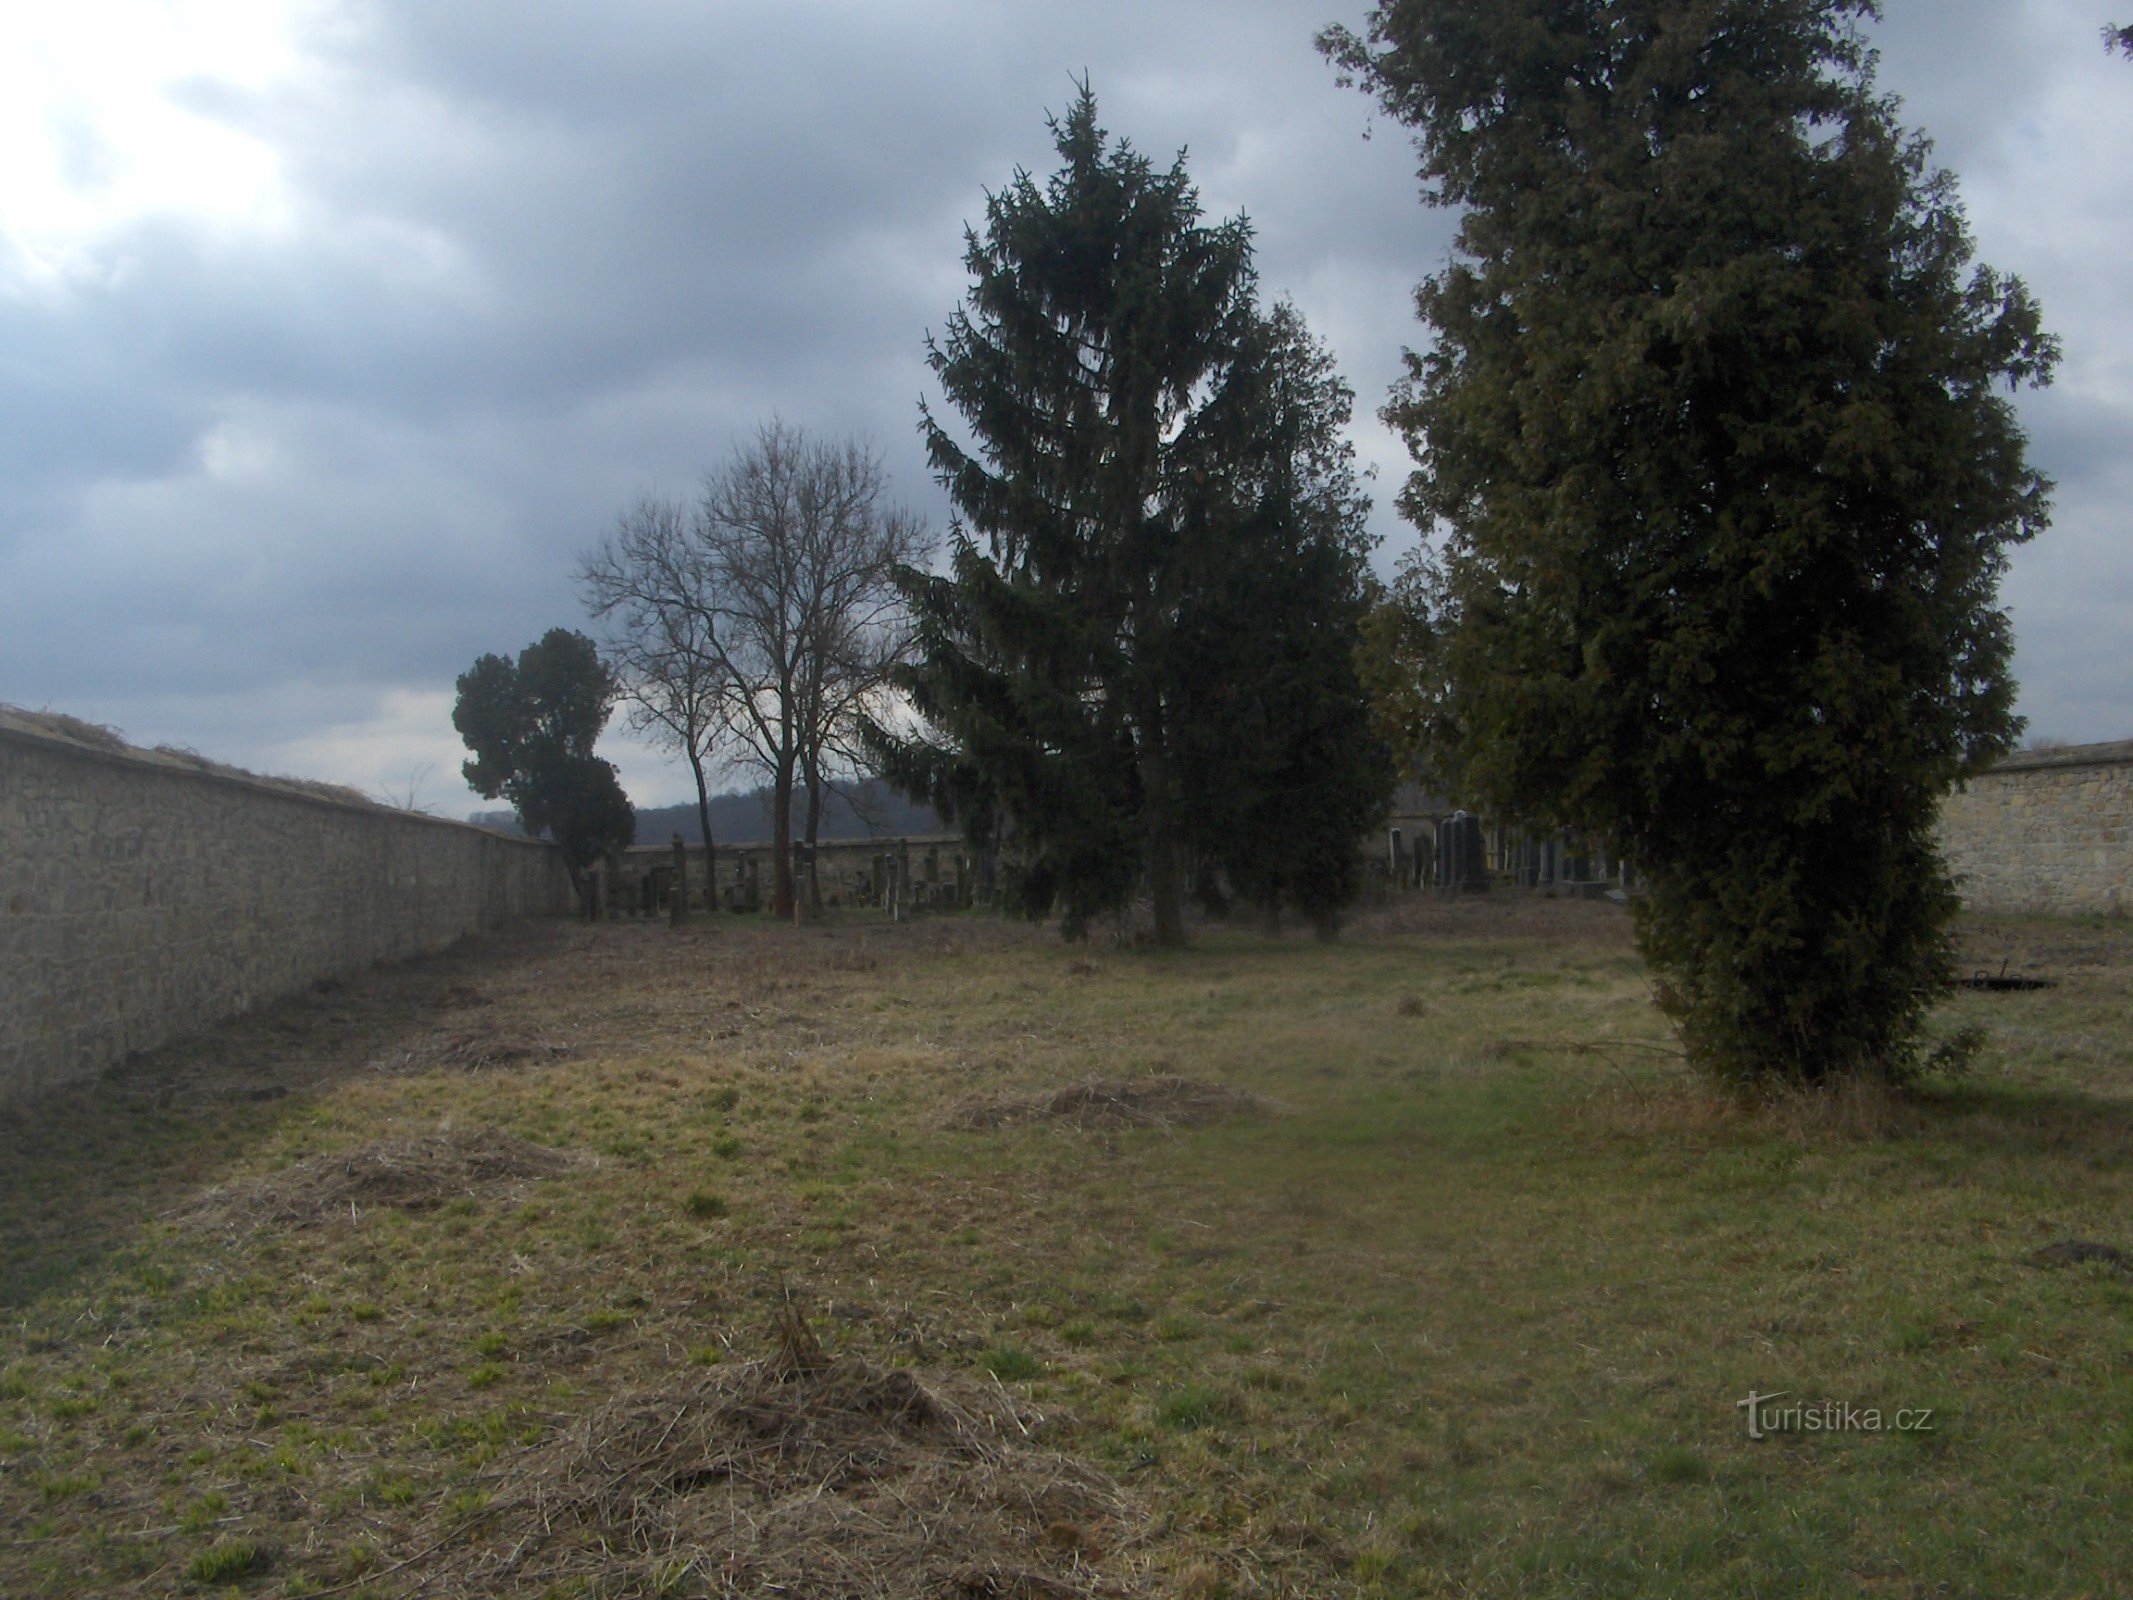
{"x": 413, "y": 1173}
{"x": 799, "y": 1473}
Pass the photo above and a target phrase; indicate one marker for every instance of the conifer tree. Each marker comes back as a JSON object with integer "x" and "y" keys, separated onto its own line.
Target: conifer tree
{"x": 1122, "y": 390}
{"x": 531, "y": 724}
{"x": 1287, "y": 769}
{"x": 1710, "y": 431}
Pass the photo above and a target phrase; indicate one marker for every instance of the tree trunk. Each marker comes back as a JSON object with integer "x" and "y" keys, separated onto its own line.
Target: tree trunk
{"x": 703, "y": 817}
{"x": 1166, "y": 873}
{"x": 813, "y": 887}
{"x": 781, "y": 838}
{"x": 1166, "y": 882}
{"x": 1159, "y": 799}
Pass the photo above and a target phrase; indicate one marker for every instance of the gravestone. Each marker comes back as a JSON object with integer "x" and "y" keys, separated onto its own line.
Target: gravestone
{"x": 1462, "y": 858}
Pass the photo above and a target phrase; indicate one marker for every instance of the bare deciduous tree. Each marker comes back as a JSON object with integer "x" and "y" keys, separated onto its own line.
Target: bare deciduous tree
{"x": 645, "y": 581}
{"x": 771, "y": 609}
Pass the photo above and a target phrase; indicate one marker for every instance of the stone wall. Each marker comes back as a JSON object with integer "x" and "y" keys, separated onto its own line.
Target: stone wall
{"x": 2046, "y": 830}
{"x": 144, "y": 895}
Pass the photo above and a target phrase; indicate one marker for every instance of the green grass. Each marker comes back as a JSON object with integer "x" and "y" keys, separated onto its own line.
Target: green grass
{"x": 1011, "y": 1363}
{"x": 1468, "y": 1312}
{"x": 225, "y": 1560}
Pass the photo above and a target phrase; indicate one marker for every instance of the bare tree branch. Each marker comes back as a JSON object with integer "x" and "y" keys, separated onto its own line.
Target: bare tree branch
{"x": 763, "y": 621}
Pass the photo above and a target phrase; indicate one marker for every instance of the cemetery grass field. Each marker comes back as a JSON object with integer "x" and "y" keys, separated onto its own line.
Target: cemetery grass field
{"x": 1436, "y": 1278}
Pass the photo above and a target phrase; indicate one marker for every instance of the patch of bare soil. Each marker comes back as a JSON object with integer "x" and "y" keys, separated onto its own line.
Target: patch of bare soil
{"x": 796, "y": 1474}
{"x": 1159, "y": 1102}
{"x": 2079, "y": 1252}
{"x": 409, "y": 1174}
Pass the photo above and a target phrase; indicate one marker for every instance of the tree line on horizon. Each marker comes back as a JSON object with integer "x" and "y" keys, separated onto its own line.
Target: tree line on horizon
{"x": 1715, "y": 468}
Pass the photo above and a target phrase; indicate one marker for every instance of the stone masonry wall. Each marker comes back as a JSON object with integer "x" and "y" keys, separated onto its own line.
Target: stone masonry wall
{"x": 142, "y": 898}
{"x": 2046, "y": 830}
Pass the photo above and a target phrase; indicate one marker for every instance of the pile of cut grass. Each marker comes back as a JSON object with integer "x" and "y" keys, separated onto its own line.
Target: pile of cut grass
{"x": 832, "y": 1476}
{"x": 409, "y": 1173}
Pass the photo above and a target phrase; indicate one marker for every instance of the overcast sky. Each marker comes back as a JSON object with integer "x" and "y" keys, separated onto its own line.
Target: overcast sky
{"x": 330, "y": 334}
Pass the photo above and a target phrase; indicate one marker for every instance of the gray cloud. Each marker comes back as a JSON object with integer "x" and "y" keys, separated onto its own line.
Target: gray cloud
{"x": 270, "y": 484}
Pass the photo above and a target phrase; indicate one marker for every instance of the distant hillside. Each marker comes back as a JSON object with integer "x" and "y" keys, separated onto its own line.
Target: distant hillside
{"x": 745, "y": 818}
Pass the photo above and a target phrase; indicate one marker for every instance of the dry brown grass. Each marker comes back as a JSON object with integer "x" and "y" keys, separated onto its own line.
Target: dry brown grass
{"x": 97, "y": 736}
{"x": 1675, "y": 1104}
{"x": 803, "y": 1474}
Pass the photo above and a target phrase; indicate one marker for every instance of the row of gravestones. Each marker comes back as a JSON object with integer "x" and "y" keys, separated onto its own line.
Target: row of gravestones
{"x": 888, "y": 883}
{"x": 1453, "y": 858}
{"x": 1460, "y": 862}
{"x": 1544, "y": 863}
{"x": 1462, "y": 855}
{"x": 1456, "y": 860}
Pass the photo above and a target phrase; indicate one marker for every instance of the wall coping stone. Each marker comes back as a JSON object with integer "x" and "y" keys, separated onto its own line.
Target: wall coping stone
{"x": 2118, "y": 753}
{"x": 19, "y": 727}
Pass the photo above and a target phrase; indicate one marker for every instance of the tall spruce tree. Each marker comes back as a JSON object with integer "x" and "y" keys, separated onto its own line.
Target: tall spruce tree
{"x": 1275, "y": 729}
{"x": 1711, "y": 435}
{"x": 1152, "y": 452}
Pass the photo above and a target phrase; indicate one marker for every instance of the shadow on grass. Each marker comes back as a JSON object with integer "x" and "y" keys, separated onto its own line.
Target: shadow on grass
{"x": 85, "y": 1172}
{"x": 1977, "y": 1126}
{"x": 2018, "y": 1123}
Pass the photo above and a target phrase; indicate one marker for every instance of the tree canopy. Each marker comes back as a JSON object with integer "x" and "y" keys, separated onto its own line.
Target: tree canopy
{"x": 532, "y": 724}
{"x": 1145, "y": 666}
{"x": 1711, "y": 441}
{"x": 1284, "y": 768}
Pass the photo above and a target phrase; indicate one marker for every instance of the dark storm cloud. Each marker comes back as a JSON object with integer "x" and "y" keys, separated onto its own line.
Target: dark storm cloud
{"x": 271, "y": 484}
